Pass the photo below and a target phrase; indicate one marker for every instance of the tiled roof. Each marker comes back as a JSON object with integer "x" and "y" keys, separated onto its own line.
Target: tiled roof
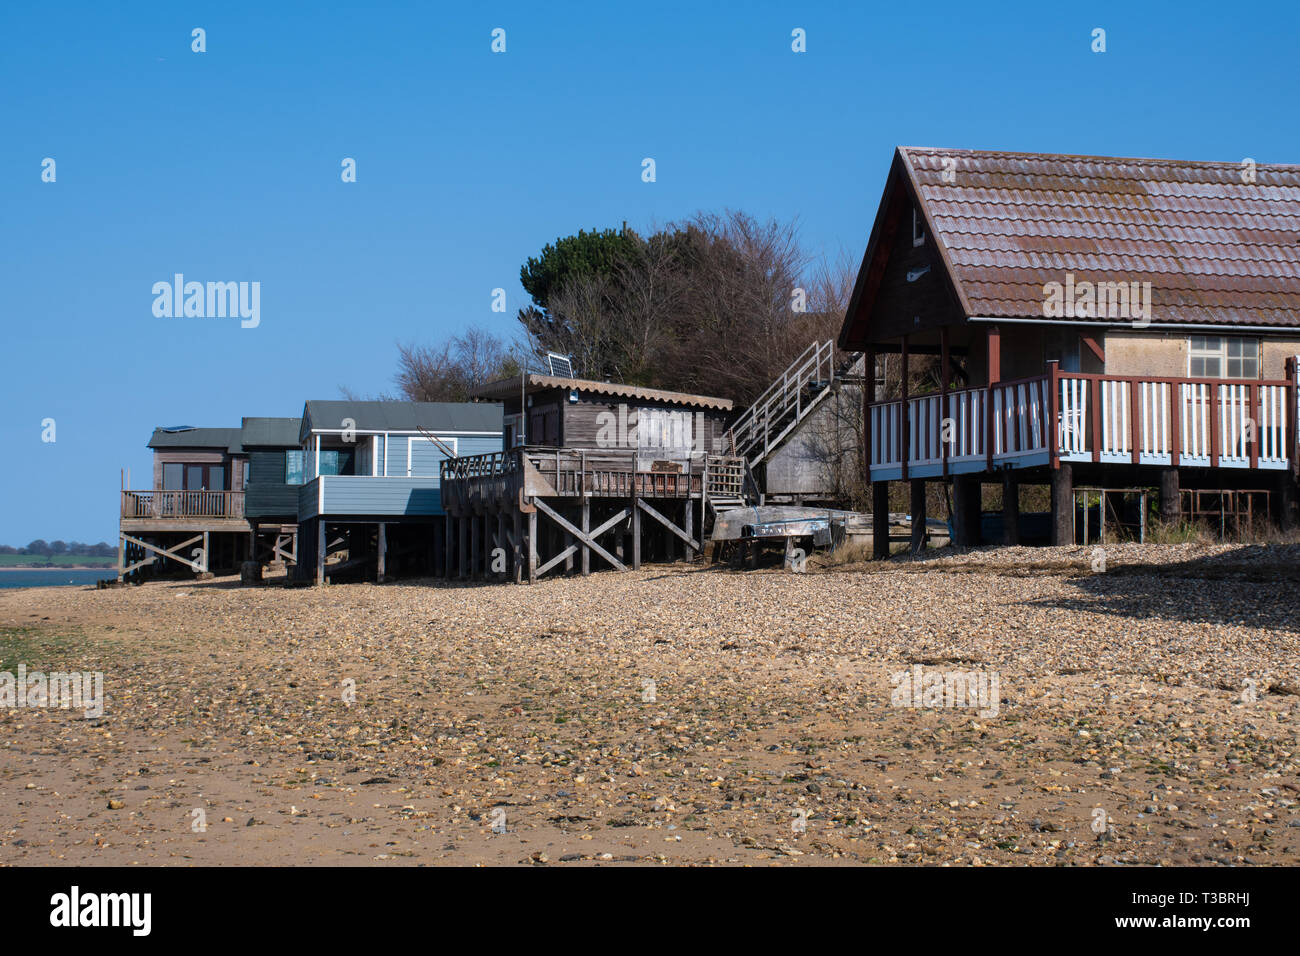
{"x": 1215, "y": 248}
{"x": 509, "y": 388}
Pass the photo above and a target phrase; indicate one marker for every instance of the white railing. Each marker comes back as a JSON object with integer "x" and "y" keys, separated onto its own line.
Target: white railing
{"x": 956, "y": 428}
{"x": 783, "y": 404}
{"x": 1194, "y": 422}
{"x": 1098, "y": 418}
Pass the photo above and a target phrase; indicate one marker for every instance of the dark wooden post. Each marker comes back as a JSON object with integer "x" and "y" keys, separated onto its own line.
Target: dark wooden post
{"x": 517, "y": 526}
{"x": 1053, "y": 430}
{"x": 636, "y": 534}
{"x": 688, "y": 525}
{"x": 532, "y": 546}
{"x": 945, "y": 373}
{"x": 463, "y": 546}
{"x": 918, "y": 515}
{"x": 381, "y": 556}
{"x": 320, "y": 551}
{"x": 1063, "y": 505}
{"x": 880, "y": 519}
{"x": 993, "y": 348}
{"x": 475, "y": 550}
{"x": 905, "y": 431}
{"x": 1171, "y": 507}
{"x": 967, "y": 504}
{"x": 868, "y": 396}
{"x": 1010, "y": 508}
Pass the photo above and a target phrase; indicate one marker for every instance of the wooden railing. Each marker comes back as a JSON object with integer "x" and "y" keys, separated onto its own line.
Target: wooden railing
{"x": 612, "y": 473}
{"x": 958, "y": 428}
{"x": 1212, "y": 423}
{"x": 179, "y": 505}
{"x": 784, "y": 403}
{"x": 1209, "y": 423}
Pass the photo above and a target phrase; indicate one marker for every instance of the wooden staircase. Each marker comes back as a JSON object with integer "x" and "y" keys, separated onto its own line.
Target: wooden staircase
{"x": 724, "y": 484}
{"x": 786, "y": 402}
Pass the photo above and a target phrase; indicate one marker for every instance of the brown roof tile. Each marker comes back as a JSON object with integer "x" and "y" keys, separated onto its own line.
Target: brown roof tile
{"x": 1215, "y": 249}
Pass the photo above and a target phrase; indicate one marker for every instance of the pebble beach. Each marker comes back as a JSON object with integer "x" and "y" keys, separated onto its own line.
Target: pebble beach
{"x": 1146, "y": 714}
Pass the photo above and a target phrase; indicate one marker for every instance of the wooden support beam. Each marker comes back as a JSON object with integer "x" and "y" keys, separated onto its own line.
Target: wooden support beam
{"x": 586, "y": 530}
{"x": 1063, "y": 505}
{"x": 641, "y": 503}
{"x": 966, "y": 492}
{"x": 565, "y": 555}
{"x": 517, "y": 545}
{"x": 906, "y": 419}
{"x": 532, "y": 543}
{"x": 880, "y": 519}
{"x": 918, "y": 516}
{"x": 475, "y": 546}
{"x": 1010, "y": 508}
{"x": 636, "y": 535}
{"x": 945, "y": 373}
{"x": 868, "y": 396}
{"x": 320, "y": 550}
{"x": 462, "y": 547}
{"x": 1171, "y": 504}
{"x": 447, "y": 546}
{"x": 688, "y": 525}
{"x": 381, "y": 558}
{"x": 502, "y": 540}
{"x": 588, "y": 539}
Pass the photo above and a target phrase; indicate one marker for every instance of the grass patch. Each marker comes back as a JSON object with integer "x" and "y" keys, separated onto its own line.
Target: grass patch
{"x": 39, "y": 648}
{"x": 56, "y": 561}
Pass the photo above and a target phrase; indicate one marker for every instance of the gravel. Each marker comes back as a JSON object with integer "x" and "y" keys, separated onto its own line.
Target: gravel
{"x": 677, "y": 714}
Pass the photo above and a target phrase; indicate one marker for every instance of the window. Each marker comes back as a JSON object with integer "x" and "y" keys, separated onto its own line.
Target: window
{"x": 173, "y": 476}
{"x": 293, "y": 465}
{"x": 918, "y": 227}
{"x": 1222, "y": 356}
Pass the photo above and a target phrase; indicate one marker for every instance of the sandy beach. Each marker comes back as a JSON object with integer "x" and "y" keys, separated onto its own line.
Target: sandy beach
{"x": 1146, "y": 714}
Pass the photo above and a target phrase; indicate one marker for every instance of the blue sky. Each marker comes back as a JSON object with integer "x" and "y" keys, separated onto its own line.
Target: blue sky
{"x": 225, "y": 166}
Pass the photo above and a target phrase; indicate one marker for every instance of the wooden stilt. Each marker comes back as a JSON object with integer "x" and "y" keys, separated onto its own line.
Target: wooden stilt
{"x": 518, "y": 558}
{"x": 320, "y": 551}
{"x": 918, "y": 515}
{"x": 636, "y": 534}
{"x": 880, "y": 519}
{"x": 586, "y": 529}
{"x": 1010, "y": 508}
{"x": 1063, "y": 505}
{"x": 475, "y": 555}
{"x": 688, "y": 525}
{"x": 381, "y": 557}
{"x": 532, "y": 547}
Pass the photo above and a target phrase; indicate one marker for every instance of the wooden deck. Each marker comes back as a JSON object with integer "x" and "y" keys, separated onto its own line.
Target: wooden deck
{"x": 1074, "y": 417}
{"x": 183, "y": 511}
{"x": 592, "y": 503}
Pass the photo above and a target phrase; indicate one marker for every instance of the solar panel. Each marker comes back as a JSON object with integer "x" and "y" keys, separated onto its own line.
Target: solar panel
{"x": 561, "y": 366}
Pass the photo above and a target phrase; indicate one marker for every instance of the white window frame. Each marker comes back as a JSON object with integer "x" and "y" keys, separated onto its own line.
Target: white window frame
{"x": 1221, "y": 354}
{"x": 453, "y": 443}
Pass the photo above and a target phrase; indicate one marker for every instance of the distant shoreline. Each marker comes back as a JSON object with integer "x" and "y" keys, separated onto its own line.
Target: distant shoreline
{"x": 61, "y": 567}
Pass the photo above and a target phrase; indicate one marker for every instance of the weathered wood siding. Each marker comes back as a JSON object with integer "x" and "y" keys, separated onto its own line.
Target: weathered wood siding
{"x": 267, "y": 496}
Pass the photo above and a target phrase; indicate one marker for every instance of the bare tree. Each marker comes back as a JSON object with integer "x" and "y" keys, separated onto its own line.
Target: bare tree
{"x": 449, "y": 372}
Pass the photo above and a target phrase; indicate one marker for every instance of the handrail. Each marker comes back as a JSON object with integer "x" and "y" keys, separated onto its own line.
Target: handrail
{"x": 754, "y": 428}
{"x": 167, "y": 505}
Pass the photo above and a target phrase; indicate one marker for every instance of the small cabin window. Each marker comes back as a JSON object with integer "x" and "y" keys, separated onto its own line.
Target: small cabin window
{"x": 293, "y": 467}
{"x": 1222, "y": 356}
{"x": 918, "y": 227}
